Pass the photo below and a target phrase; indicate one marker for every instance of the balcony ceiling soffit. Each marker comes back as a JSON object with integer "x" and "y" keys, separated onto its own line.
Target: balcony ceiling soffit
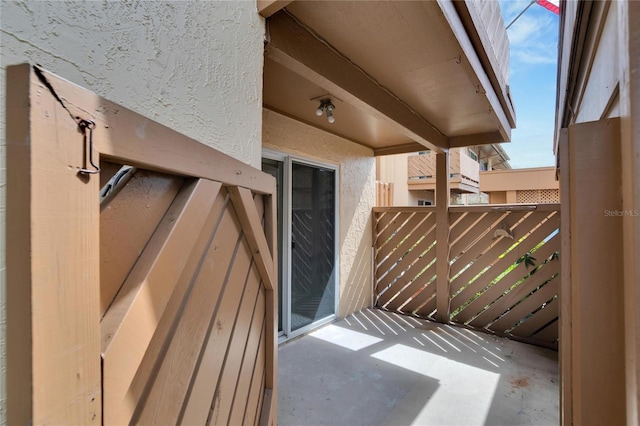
{"x": 398, "y": 68}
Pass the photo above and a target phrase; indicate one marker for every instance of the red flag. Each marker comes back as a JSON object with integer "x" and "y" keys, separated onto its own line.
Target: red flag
{"x": 552, "y": 5}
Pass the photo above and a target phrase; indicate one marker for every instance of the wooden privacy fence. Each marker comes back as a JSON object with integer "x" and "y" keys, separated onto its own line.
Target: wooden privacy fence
{"x": 140, "y": 294}
{"x": 384, "y": 194}
{"x": 503, "y": 267}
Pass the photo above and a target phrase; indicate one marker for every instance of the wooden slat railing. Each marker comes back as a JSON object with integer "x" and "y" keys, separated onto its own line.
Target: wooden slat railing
{"x": 421, "y": 166}
{"x": 504, "y": 268}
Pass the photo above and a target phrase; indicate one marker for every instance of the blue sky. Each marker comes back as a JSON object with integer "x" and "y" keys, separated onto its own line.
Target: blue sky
{"x": 534, "y": 49}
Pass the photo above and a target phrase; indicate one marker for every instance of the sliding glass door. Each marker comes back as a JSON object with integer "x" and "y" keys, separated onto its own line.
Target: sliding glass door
{"x": 307, "y": 242}
{"x": 312, "y": 244}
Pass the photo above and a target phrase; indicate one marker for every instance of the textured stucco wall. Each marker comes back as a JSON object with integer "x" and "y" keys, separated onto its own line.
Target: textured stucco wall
{"x": 193, "y": 66}
{"x": 357, "y": 170}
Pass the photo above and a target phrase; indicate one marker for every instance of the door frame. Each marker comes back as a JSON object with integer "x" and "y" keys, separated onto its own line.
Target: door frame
{"x": 288, "y": 159}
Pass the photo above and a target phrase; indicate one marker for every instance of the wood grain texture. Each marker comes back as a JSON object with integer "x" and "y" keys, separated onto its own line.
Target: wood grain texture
{"x": 271, "y": 306}
{"x": 53, "y": 364}
{"x": 132, "y": 320}
{"x": 222, "y": 272}
{"x": 19, "y": 331}
{"x": 127, "y": 137}
{"x": 228, "y": 382}
{"x": 322, "y": 65}
{"x": 564, "y": 295}
{"x": 442, "y": 238}
{"x": 508, "y": 301}
{"x": 254, "y": 233}
{"x": 179, "y": 271}
{"x": 211, "y": 363}
{"x": 486, "y": 292}
{"x": 249, "y": 361}
{"x": 127, "y": 223}
{"x": 596, "y": 271}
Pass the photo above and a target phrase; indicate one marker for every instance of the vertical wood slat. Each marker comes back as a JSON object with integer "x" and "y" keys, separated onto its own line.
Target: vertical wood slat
{"x": 131, "y": 322}
{"x": 53, "y": 373}
{"x": 442, "y": 237}
{"x": 564, "y": 295}
{"x": 384, "y": 194}
{"x": 596, "y": 271}
{"x": 271, "y": 316}
{"x": 19, "y": 350}
{"x": 126, "y": 224}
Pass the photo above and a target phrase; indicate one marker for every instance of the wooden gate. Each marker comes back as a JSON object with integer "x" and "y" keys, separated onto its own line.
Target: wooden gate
{"x": 140, "y": 294}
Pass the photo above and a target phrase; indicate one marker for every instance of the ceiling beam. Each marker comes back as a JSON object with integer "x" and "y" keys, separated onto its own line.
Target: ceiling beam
{"x": 476, "y": 139}
{"x": 267, "y": 8}
{"x": 399, "y": 149}
{"x": 297, "y": 48}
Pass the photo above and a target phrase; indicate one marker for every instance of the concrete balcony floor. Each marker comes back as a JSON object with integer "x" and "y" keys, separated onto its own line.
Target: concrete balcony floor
{"x": 380, "y": 368}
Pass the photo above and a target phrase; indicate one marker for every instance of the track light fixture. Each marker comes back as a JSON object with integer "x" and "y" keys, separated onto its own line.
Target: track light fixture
{"x": 327, "y": 107}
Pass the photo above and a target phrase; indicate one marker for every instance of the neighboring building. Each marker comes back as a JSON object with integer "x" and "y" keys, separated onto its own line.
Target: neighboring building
{"x": 413, "y": 175}
{"x": 521, "y": 186}
{"x": 385, "y": 78}
{"x": 598, "y": 154}
{"x": 478, "y": 175}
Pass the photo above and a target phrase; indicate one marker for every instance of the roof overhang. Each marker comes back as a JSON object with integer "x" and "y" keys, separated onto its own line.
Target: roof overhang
{"x": 403, "y": 75}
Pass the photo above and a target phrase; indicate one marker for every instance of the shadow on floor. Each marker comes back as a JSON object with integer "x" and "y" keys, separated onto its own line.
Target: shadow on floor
{"x": 380, "y": 368}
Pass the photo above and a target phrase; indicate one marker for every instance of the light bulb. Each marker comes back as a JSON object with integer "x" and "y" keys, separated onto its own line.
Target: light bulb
{"x": 319, "y": 111}
{"x": 330, "y": 118}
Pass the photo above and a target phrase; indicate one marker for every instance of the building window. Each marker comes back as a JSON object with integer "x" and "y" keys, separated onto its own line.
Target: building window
{"x": 422, "y": 202}
{"x": 472, "y": 154}
{"x": 483, "y": 166}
